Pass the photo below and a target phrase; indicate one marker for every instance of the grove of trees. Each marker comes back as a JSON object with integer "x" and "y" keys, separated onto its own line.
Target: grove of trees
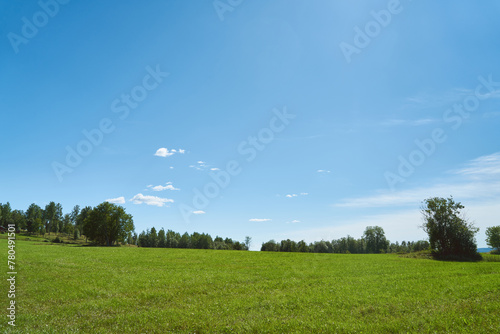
{"x": 373, "y": 241}
{"x": 171, "y": 239}
{"x": 106, "y": 224}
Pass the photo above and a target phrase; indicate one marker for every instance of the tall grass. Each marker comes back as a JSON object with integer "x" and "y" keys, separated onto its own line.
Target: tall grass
{"x": 74, "y": 289}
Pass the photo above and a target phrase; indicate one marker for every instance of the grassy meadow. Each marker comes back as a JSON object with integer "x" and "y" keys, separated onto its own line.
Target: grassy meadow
{"x": 74, "y": 289}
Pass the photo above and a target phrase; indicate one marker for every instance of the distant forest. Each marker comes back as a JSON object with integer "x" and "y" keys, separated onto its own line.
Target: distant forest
{"x": 108, "y": 224}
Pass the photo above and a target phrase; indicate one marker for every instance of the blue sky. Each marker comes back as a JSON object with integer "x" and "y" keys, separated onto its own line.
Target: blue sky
{"x": 317, "y": 118}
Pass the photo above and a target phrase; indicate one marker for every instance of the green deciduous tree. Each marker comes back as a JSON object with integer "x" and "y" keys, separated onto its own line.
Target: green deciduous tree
{"x": 248, "y": 241}
{"x": 153, "y": 238}
{"x": 493, "y": 237}
{"x": 108, "y": 223}
{"x": 450, "y": 234}
{"x": 6, "y": 217}
{"x": 185, "y": 241}
{"x": 173, "y": 239}
{"x": 19, "y": 219}
{"x": 375, "y": 241}
{"x": 302, "y": 246}
{"x": 34, "y": 218}
{"x": 67, "y": 226}
{"x": 49, "y": 216}
{"x": 162, "y": 240}
{"x": 80, "y": 220}
{"x": 270, "y": 246}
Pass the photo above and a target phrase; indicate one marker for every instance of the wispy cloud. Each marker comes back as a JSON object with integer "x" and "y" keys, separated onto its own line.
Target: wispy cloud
{"x": 199, "y": 212}
{"x": 479, "y": 179}
{"x": 118, "y": 200}
{"x": 427, "y": 100}
{"x": 295, "y": 221}
{"x": 295, "y": 195}
{"x": 260, "y": 220}
{"x": 407, "y": 122}
{"x": 482, "y": 167}
{"x": 202, "y": 165}
{"x": 164, "y": 152}
{"x": 323, "y": 171}
{"x": 445, "y": 99}
{"x": 150, "y": 200}
{"x": 168, "y": 186}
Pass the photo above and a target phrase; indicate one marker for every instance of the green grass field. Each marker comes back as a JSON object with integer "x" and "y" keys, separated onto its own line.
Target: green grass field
{"x": 72, "y": 289}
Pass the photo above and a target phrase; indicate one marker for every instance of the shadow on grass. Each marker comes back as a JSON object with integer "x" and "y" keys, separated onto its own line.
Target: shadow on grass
{"x": 458, "y": 258}
{"x": 429, "y": 255}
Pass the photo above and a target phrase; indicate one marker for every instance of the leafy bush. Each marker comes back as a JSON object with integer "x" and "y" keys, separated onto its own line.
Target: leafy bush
{"x": 76, "y": 234}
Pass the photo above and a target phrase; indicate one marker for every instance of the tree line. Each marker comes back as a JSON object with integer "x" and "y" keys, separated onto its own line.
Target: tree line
{"x": 106, "y": 224}
{"x": 451, "y": 236}
{"x": 171, "y": 239}
{"x": 373, "y": 241}
{"x": 450, "y": 233}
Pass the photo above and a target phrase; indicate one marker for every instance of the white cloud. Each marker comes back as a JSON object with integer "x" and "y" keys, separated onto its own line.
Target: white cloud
{"x": 199, "y": 212}
{"x": 293, "y": 221}
{"x": 202, "y": 165}
{"x": 482, "y": 167}
{"x": 295, "y": 195}
{"x": 413, "y": 197}
{"x": 150, "y": 200}
{"x": 164, "y": 152}
{"x": 479, "y": 180}
{"x": 323, "y": 171}
{"x": 118, "y": 200}
{"x": 260, "y": 220}
{"x": 168, "y": 186}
